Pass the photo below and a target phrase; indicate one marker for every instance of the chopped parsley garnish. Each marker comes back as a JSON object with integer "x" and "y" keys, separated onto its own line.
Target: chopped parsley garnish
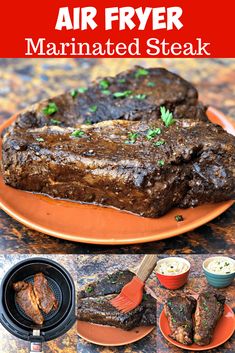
{"x": 121, "y": 80}
{"x": 161, "y": 163}
{"x": 145, "y": 297}
{"x": 82, "y": 89}
{"x": 141, "y": 96}
{"x": 132, "y": 137}
{"x": 77, "y": 133}
{"x": 39, "y": 139}
{"x": 89, "y": 289}
{"x": 104, "y": 84}
{"x": 93, "y": 108}
{"x": 226, "y": 264}
{"x": 106, "y": 91}
{"x": 88, "y": 122}
{"x": 122, "y": 94}
{"x": 55, "y": 122}
{"x": 151, "y": 133}
{"x": 74, "y": 93}
{"x": 141, "y": 72}
{"x": 167, "y": 117}
{"x": 179, "y": 218}
{"x": 159, "y": 143}
{"x": 173, "y": 319}
{"x": 50, "y": 109}
{"x": 151, "y": 84}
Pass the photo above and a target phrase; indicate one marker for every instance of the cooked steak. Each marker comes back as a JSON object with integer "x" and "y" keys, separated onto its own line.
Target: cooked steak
{"x": 44, "y": 295}
{"x": 94, "y": 304}
{"x": 133, "y": 95}
{"x": 26, "y": 299}
{"x": 210, "y": 308}
{"x": 179, "y": 310}
{"x": 142, "y": 167}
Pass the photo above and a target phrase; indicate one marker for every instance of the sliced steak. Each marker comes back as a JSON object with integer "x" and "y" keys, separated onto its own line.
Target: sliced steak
{"x": 210, "y": 308}
{"x": 179, "y": 310}
{"x": 142, "y": 167}
{"x": 133, "y": 95}
{"x": 94, "y": 305}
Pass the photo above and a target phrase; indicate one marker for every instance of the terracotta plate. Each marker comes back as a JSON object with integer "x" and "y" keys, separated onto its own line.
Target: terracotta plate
{"x": 223, "y": 331}
{"x": 100, "y": 225}
{"x": 110, "y": 336}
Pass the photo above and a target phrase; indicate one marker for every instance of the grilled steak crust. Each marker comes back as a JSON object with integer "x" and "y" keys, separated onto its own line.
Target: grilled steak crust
{"x": 179, "y": 310}
{"x": 94, "y": 306}
{"x": 210, "y": 308}
{"x": 116, "y": 163}
{"x": 143, "y": 95}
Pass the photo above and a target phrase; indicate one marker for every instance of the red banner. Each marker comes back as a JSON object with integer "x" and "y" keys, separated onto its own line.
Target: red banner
{"x": 120, "y": 28}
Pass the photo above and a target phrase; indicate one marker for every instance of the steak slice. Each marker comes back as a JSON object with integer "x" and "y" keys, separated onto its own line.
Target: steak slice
{"x": 45, "y": 297}
{"x": 94, "y": 305}
{"x": 133, "y": 95}
{"x": 142, "y": 167}
{"x": 26, "y": 299}
{"x": 210, "y": 308}
{"x": 179, "y": 310}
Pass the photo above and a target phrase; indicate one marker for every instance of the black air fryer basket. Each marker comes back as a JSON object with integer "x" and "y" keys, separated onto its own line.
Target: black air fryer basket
{"x": 57, "y": 322}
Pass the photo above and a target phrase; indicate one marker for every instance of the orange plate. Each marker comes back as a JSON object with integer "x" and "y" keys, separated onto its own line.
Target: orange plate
{"x": 223, "y": 331}
{"x": 110, "y": 336}
{"x": 99, "y": 225}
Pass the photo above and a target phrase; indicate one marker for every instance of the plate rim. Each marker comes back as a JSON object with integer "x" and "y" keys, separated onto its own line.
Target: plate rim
{"x": 190, "y": 348}
{"x": 83, "y": 238}
{"x": 151, "y": 328}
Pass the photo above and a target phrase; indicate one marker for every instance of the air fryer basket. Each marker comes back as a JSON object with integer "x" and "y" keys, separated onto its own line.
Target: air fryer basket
{"x": 58, "y": 321}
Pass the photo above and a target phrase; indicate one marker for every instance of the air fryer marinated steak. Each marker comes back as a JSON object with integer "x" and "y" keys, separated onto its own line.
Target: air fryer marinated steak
{"x": 26, "y": 299}
{"x": 210, "y": 308}
{"x": 45, "y": 297}
{"x": 133, "y": 95}
{"x": 94, "y": 306}
{"x": 142, "y": 167}
{"x": 179, "y": 310}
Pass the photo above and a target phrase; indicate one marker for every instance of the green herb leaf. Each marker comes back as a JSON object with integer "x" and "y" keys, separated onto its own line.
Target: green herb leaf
{"x": 82, "y": 89}
{"x": 151, "y": 133}
{"x": 93, "y": 108}
{"x": 106, "y": 91}
{"x": 55, "y": 122}
{"x": 159, "y": 143}
{"x": 104, "y": 84}
{"x": 161, "y": 163}
{"x": 132, "y": 137}
{"x": 50, "y": 109}
{"x": 121, "y": 80}
{"x": 89, "y": 289}
{"x": 141, "y": 72}
{"x": 141, "y": 96}
{"x": 173, "y": 319}
{"x": 179, "y": 218}
{"x": 122, "y": 94}
{"x": 77, "y": 133}
{"x": 167, "y": 116}
{"x": 151, "y": 84}
{"x": 74, "y": 93}
{"x": 39, "y": 139}
{"x": 88, "y": 122}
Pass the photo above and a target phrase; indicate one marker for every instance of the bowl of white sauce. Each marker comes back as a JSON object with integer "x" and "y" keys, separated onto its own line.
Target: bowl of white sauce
{"x": 219, "y": 271}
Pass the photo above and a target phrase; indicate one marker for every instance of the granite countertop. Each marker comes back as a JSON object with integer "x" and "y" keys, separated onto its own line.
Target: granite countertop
{"x": 67, "y": 342}
{"x": 90, "y": 268}
{"x": 196, "y": 283}
{"x": 23, "y": 82}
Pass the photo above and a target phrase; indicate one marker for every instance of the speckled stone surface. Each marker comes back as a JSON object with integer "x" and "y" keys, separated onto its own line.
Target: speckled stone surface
{"x": 196, "y": 283}
{"x": 66, "y": 343}
{"x": 90, "y": 268}
{"x": 25, "y": 81}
